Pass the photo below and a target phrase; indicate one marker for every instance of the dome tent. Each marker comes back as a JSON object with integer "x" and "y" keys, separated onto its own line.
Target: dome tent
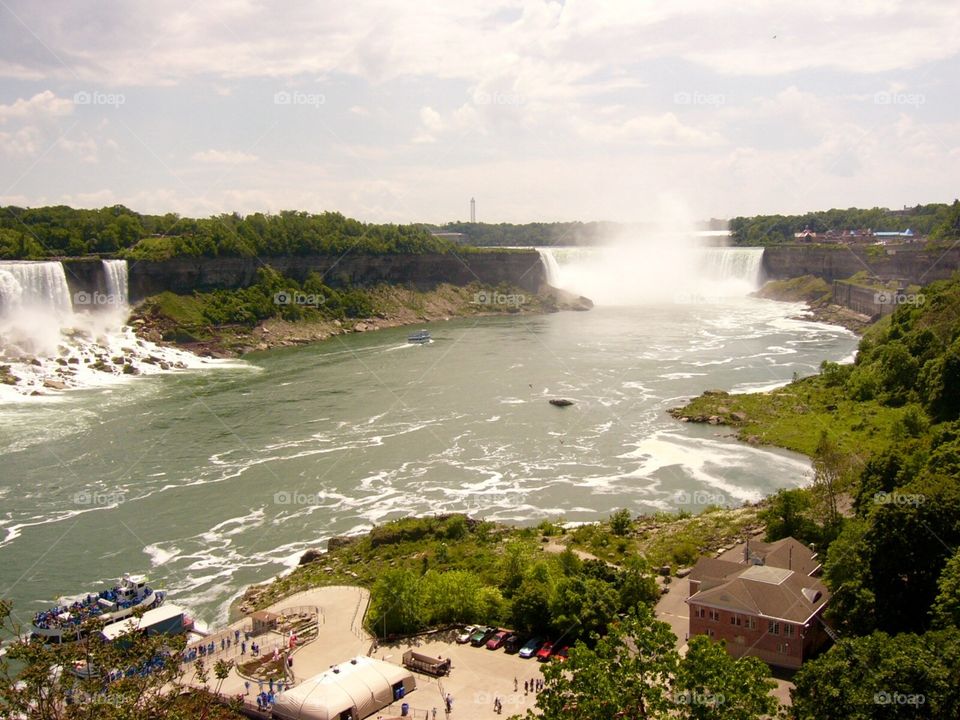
{"x": 354, "y": 689}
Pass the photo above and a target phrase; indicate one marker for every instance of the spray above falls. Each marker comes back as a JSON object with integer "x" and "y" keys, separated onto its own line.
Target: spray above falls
{"x": 654, "y": 270}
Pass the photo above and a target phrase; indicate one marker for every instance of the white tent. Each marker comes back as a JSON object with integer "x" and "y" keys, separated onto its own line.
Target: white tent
{"x": 359, "y": 688}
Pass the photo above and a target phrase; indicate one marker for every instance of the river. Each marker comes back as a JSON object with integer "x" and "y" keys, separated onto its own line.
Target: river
{"x": 210, "y": 479}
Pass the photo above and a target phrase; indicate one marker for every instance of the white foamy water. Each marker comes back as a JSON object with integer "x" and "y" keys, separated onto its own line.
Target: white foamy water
{"x": 210, "y": 481}
{"x": 54, "y": 341}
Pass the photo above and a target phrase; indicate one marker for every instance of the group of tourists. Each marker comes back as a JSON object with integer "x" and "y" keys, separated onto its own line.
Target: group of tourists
{"x": 80, "y": 610}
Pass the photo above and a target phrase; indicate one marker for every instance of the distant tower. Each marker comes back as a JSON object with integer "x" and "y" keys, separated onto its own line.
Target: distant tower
{"x": 473, "y": 210}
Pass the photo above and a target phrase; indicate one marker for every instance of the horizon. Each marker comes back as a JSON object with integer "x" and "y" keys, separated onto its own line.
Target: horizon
{"x": 388, "y": 113}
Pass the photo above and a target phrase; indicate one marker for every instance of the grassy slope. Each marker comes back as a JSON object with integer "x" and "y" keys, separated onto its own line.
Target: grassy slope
{"x": 794, "y": 417}
{"x": 664, "y": 539}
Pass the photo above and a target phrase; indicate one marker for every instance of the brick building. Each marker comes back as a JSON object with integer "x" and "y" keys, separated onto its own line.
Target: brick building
{"x": 769, "y": 605}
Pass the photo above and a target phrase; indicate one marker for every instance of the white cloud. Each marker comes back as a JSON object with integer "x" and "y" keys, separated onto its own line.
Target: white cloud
{"x": 42, "y": 105}
{"x": 665, "y": 130}
{"x": 230, "y": 157}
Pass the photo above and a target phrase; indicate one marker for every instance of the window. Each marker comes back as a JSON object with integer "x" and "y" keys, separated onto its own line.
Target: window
{"x": 788, "y": 630}
{"x": 715, "y": 615}
{"x": 752, "y": 623}
{"x": 740, "y": 640}
{"x": 783, "y": 648}
{"x": 736, "y": 620}
{"x": 773, "y": 627}
{"x": 711, "y": 633}
{"x": 698, "y": 611}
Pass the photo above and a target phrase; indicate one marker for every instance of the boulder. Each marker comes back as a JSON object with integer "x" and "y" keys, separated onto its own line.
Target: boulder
{"x": 739, "y": 416}
{"x": 311, "y": 555}
{"x": 340, "y": 541}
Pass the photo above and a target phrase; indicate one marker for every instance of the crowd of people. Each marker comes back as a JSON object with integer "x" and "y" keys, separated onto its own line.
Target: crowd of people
{"x": 85, "y": 608}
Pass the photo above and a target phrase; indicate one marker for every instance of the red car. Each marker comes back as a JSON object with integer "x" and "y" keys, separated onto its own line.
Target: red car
{"x": 543, "y": 654}
{"x": 562, "y": 654}
{"x": 496, "y": 642}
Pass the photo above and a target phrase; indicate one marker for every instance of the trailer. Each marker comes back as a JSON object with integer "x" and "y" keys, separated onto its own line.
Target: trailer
{"x": 426, "y": 664}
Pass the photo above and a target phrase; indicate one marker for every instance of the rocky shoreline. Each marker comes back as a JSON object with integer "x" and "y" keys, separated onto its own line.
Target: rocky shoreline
{"x": 409, "y": 308}
{"x": 817, "y": 295}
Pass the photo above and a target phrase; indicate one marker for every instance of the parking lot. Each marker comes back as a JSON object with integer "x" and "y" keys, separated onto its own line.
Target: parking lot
{"x": 477, "y": 676}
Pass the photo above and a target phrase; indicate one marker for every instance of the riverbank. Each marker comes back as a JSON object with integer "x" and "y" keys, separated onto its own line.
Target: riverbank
{"x": 818, "y": 296}
{"x": 174, "y": 320}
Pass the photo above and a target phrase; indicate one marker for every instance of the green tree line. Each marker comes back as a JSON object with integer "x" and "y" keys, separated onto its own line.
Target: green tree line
{"x": 61, "y": 231}
{"x": 771, "y": 229}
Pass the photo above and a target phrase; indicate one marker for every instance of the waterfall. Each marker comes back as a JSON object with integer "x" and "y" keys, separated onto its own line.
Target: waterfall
{"x": 725, "y": 264}
{"x": 51, "y": 341}
{"x": 115, "y": 272}
{"x": 40, "y": 286}
{"x": 661, "y": 268}
{"x": 550, "y": 266}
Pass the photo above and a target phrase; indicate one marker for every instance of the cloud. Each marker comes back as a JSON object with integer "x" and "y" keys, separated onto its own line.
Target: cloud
{"x": 664, "y": 130}
{"x": 230, "y": 157}
{"x": 42, "y": 105}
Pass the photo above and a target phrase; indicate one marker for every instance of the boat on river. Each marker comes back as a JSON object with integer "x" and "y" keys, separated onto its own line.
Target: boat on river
{"x": 65, "y": 621}
{"x": 420, "y": 337}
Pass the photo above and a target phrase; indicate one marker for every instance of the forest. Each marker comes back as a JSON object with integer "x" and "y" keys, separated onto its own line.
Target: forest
{"x": 772, "y": 229}
{"x": 60, "y": 231}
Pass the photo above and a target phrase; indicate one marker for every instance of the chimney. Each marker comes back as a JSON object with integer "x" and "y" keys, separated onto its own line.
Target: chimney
{"x": 790, "y": 558}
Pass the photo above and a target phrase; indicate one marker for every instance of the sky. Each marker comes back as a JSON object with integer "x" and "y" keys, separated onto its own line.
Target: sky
{"x": 394, "y": 111}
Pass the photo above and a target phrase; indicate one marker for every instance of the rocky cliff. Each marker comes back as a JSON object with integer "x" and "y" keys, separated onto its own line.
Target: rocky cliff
{"x": 423, "y": 272}
{"x": 913, "y": 264}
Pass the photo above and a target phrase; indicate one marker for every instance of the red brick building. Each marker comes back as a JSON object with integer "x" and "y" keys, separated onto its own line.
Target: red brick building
{"x": 769, "y": 605}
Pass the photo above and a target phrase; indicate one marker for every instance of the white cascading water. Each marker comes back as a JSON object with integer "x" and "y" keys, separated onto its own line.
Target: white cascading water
{"x": 52, "y": 341}
{"x": 115, "y": 272}
{"x": 663, "y": 268}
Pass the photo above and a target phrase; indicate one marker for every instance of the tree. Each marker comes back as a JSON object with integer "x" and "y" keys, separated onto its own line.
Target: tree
{"x": 946, "y": 607}
{"x": 830, "y": 466}
{"x": 517, "y": 558}
{"x": 627, "y": 675}
{"x": 786, "y": 517}
{"x": 583, "y": 607}
{"x": 621, "y": 522}
{"x": 879, "y": 676}
{"x": 712, "y": 685}
{"x": 638, "y": 584}
{"x": 847, "y": 573}
{"x": 397, "y": 603}
{"x": 635, "y": 671}
{"x": 135, "y": 677}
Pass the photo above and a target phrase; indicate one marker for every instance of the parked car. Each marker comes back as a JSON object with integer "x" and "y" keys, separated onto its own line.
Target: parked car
{"x": 496, "y": 642}
{"x": 512, "y": 644}
{"x": 562, "y": 654}
{"x": 545, "y": 651}
{"x": 466, "y": 633}
{"x": 481, "y": 636}
{"x": 530, "y": 647}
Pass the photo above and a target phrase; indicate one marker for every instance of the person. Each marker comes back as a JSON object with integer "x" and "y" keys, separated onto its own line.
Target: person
{"x": 434, "y": 713}
{"x": 515, "y": 683}
{"x": 243, "y": 648}
{"x": 246, "y": 685}
{"x": 449, "y": 702}
{"x": 290, "y": 661}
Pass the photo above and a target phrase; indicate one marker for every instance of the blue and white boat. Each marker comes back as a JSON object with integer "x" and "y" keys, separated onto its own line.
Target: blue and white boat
{"x": 420, "y": 337}
{"x": 64, "y": 622}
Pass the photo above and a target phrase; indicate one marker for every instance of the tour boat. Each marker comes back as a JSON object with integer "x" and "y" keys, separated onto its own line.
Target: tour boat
{"x": 420, "y": 337}
{"x": 64, "y": 623}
